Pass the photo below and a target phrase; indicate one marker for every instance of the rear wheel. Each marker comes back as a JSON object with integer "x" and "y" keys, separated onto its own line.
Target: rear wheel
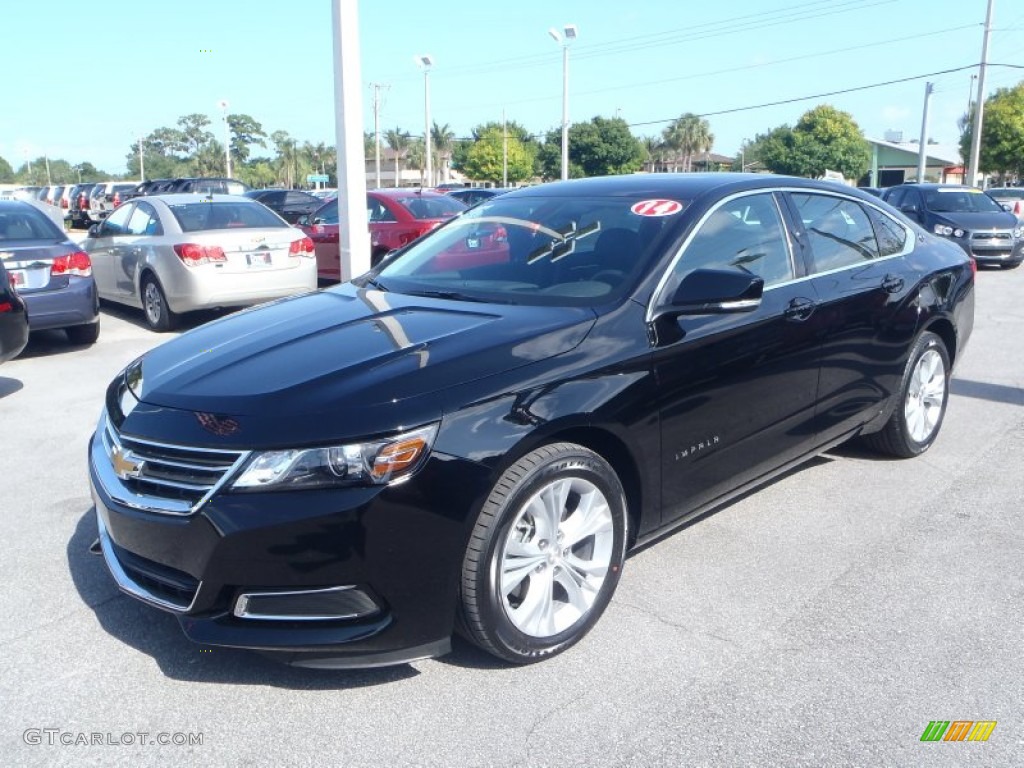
{"x": 154, "y": 304}
{"x": 83, "y": 334}
{"x": 545, "y": 555}
{"x": 924, "y": 392}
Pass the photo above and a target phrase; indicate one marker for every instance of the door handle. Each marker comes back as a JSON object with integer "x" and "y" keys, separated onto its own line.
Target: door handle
{"x": 892, "y": 283}
{"x": 799, "y": 309}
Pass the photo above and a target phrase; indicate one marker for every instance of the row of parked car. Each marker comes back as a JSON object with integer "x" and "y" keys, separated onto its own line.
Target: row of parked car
{"x": 988, "y": 225}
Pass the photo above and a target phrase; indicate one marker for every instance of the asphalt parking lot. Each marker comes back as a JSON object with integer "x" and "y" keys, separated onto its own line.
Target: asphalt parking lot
{"x": 824, "y": 620}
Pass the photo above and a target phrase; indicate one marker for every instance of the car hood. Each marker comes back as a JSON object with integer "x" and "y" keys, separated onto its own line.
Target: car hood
{"x": 973, "y": 221}
{"x": 349, "y": 355}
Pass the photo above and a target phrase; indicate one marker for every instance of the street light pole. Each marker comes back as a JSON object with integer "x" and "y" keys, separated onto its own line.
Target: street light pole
{"x": 570, "y": 35}
{"x": 979, "y": 109}
{"x": 142, "y": 162}
{"x": 427, "y": 62}
{"x": 227, "y": 138}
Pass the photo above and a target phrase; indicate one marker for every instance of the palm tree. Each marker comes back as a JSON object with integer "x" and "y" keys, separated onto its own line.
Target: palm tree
{"x": 443, "y": 142}
{"x": 416, "y": 157}
{"x": 686, "y": 136}
{"x": 655, "y": 152}
{"x": 398, "y": 142}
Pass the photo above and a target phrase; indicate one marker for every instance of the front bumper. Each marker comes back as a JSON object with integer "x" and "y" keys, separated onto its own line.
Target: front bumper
{"x": 400, "y": 548}
{"x": 992, "y": 251}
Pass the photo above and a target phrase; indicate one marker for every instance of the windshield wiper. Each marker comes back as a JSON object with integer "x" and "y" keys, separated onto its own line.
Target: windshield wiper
{"x": 455, "y": 296}
{"x": 376, "y": 284}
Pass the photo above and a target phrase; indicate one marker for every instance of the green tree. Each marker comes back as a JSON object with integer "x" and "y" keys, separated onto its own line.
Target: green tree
{"x": 6, "y": 172}
{"x": 246, "y": 131}
{"x": 601, "y": 147}
{"x": 398, "y": 142}
{"x": 286, "y": 162}
{"x": 193, "y": 129}
{"x": 485, "y": 159}
{"x": 1002, "y": 134}
{"x": 685, "y": 137}
{"x": 442, "y": 139}
{"x": 824, "y": 139}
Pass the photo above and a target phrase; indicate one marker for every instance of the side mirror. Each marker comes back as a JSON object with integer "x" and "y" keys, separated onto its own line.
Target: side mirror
{"x": 94, "y": 230}
{"x": 1007, "y": 207}
{"x": 716, "y": 292}
{"x": 317, "y": 220}
{"x": 302, "y": 221}
{"x": 910, "y": 210}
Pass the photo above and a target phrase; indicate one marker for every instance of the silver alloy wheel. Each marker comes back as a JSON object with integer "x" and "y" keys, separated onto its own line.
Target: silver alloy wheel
{"x": 153, "y": 302}
{"x": 926, "y": 393}
{"x": 555, "y": 557}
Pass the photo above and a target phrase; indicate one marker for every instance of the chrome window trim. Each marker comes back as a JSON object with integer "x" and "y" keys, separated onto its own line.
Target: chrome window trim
{"x": 241, "y": 609}
{"x": 127, "y": 584}
{"x": 908, "y": 245}
{"x": 102, "y": 447}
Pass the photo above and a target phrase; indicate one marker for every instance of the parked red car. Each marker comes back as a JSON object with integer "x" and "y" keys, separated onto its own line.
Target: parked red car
{"x": 396, "y": 217}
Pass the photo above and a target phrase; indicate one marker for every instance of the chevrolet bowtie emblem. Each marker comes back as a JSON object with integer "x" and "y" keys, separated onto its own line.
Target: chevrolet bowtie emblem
{"x": 125, "y": 465}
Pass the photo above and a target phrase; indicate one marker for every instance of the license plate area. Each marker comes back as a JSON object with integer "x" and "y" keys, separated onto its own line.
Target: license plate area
{"x": 259, "y": 259}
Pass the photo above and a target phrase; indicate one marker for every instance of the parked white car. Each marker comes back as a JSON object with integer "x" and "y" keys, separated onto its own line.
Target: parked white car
{"x": 169, "y": 254}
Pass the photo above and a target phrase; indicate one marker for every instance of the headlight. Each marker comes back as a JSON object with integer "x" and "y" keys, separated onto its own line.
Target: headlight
{"x": 377, "y": 462}
{"x": 1019, "y": 232}
{"x": 958, "y": 233}
{"x": 943, "y": 229}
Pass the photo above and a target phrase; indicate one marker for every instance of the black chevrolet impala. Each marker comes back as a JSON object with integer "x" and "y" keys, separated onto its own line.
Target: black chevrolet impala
{"x": 473, "y": 435}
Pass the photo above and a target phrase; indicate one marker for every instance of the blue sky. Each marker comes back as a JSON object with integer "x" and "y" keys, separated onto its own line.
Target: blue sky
{"x": 81, "y": 81}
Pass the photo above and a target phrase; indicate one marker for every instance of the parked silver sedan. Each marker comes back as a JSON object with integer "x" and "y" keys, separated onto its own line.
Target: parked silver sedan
{"x": 169, "y": 254}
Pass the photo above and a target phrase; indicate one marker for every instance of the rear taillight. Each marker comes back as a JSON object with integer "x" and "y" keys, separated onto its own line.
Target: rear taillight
{"x": 974, "y": 265}
{"x": 194, "y": 255}
{"x": 501, "y": 235}
{"x": 1018, "y": 208}
{"x": 301, "y": 246}
{"x": 77, "y": 263}
{"x": 5, "y": 306}
{"x": 83, "y": 203}
{"x": 117, "y": 199}
{"x": 63, "y": 202}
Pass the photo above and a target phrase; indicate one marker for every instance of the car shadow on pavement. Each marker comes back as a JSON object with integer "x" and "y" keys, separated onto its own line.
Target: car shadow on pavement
{"x": 983, "y": 390}
{"x": 158, "y": 635}
{"x": 186, "y": 322}
{"x": 9, "y": 386}
{"x": 46, "y": 343}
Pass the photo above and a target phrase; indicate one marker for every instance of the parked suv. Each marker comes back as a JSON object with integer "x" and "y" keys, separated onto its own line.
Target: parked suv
{"x": 151, "y": 187}
{"x": 80, "y": 206}
{"x": 965, "y": 215}
{"x": 220, "y": 186}
{"x": 105, "y": 197}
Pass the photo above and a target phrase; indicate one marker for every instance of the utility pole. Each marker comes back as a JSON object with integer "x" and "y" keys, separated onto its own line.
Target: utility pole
{"x": 922, "y": 148}
{"x": 979, "y": 110}
{"x": 142, "y": 162}
{"x": 49, "y": 181}
{"x": 376, "y": 129}
{"x": 504, "y": 151}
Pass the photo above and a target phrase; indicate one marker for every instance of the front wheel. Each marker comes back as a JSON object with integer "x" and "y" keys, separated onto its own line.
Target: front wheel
{"x": 924, "y": 392}
{"x": 545, "y": 555}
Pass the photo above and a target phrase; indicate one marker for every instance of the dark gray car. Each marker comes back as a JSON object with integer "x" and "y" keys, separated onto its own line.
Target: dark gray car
{"x": 965, "y": 215}
{"x": 51, "y": 273}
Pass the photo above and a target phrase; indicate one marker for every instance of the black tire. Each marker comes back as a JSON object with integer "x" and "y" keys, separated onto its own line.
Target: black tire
{"x": 900, "y": 436}
{"x": 159, "y": 316}
{"x": 488, "y": 613}
{"x": 83, "y": 334}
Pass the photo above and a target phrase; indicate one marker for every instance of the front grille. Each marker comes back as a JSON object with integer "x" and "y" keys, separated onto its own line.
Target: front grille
{"x": 174, "y": 479}
{"x": 160, "y": 581}
{"x": 1007, "y": 236}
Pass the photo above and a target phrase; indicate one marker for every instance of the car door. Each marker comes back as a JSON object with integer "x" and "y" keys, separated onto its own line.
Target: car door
{"x": 737, "y": 390}
{"x": 323, "y": 231}
{"x": 385, "y": 229}
{"x": 105, "y": 251}
{"x": 136, "y": 245}
{"x": 866, "y": 314}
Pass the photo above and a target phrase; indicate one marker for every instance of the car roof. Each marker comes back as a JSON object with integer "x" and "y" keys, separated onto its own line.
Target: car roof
{"x": 403, "y": 192}
{"x": 180, "y": 198}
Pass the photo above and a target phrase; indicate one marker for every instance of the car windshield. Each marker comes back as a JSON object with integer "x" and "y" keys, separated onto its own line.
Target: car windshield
{"x": 26, "y": 224}
{"x": 199, "y": 216}
{"x": 533, "y": 250}
{"x": 423, "y": 207}
{"x": 956, "y": 200}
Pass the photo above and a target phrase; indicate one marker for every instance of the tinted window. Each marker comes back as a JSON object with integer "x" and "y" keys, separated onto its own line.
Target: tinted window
{"x": 839, "y": 231}
{"x": 143, "y": 221}
{"x": 117, "y": 222}
{"x": 377, "y": 211}
{"x": 195, "y": 217}
{"x": 328, "y": 214}
{"x": 300, "y": 198}
{"x": 423, "y": 207}
{"x": 746, "y": 234}
{"x": 953, "y": 200}
{"x": 26, "y": 224}
{"x": 891, "y": 235}
{"x": 895, "y": 197}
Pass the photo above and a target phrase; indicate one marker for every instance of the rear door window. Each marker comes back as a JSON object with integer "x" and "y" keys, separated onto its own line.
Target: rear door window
{"x": 839, "y": 231}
